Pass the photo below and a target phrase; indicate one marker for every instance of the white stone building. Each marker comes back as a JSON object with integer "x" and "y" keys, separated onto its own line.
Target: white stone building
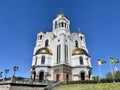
{"x": 61, "y": 55}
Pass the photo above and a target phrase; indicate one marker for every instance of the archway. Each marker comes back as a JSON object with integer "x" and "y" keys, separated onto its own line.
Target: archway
{"x": 67, "y": 77}
{"x": 57, "y": 77}
{"x": 41, "y": 76}
{"x": 34, "y": 75}
{"x": 82, "y": 74}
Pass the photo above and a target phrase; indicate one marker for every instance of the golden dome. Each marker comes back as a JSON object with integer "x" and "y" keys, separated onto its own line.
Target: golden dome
{"x": 41, "y": 32}
{"x": 61, "y": 16}
{"x": 44, "y": 50}
{"x": 79, "y": 51}
{"x": 50, "y": 50}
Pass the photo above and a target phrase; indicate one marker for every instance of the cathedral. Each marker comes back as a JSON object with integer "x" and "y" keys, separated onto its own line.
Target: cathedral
{"x": 60, "y": 55}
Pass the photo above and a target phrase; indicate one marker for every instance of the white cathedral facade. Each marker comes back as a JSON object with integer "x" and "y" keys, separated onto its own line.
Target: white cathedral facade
{"x": 61, "y": 55}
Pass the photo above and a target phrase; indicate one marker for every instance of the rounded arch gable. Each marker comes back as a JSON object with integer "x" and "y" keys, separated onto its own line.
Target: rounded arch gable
{"x": 82, "y": 71}
{"x": 41, "y": 71}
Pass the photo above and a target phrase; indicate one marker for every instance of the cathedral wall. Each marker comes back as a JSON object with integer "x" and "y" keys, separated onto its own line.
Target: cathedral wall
{"x": 76, "y": 73}
{"x": 44, "y": 69}
{"x": 63, "y": 77}
{"x": 75, "y": 60}
{"x": 77, "y": 70}
{"x": 48, "y": 60}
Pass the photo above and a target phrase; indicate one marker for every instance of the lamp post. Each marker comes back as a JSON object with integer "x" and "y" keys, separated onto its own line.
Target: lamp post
{"x": 15, "y": 68}
{"x": 6, "y": 72}
{"x": 0, "y": 74}
{"x": 46, "y": 75}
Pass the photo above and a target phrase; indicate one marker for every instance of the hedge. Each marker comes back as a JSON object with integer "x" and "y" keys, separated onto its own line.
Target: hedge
{"x": 104, "y": 80}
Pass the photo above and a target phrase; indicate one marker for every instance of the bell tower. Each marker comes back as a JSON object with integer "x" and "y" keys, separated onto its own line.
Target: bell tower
{"x": 62, "y": 71}
{"x": 61, "y": 24}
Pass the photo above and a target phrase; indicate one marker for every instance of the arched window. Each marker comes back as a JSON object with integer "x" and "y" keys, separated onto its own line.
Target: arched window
{"x": 81, "y": 60}
{"x": 35, "y": 60}
{"x": 62, "y": 24}
{"x": 66, "y": 54}
{"x": 46, "y": 43}
{"x": 43, "y": 60}
{"x": 59, "y": 25}
{"x": 81, "y": 37}
{"x": 76, "y": 43}
{"x": 82, "y": 75}
{"x": 55, "y": 24}
{"x": 58, "y": 53}
{"x": 40, "y": 36}
{"x": 41, "y": 76}
{"x": 65, "y": 25}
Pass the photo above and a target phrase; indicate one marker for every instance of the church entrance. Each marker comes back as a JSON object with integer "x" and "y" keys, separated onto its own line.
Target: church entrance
{"x": 57, "y": 77}
{"x": 82, "y": 74}
{"x": 41, "y": 76}
{"x": 67, "y": 77}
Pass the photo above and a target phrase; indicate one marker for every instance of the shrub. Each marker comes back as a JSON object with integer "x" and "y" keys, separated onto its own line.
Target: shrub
{"x": 83, "y": 82}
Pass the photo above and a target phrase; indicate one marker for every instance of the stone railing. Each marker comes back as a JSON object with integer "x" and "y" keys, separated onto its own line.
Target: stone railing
{"x": 20, "y": 80}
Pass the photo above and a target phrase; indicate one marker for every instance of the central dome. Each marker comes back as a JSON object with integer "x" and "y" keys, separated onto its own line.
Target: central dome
{"x": 44, "y": 50}
{"x": 60, "y": 16}
{"x": 79, "y": 51}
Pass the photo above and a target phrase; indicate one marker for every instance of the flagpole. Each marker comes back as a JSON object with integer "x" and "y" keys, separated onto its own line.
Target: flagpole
{"x": 112, "y": 72}
{"x": 99, "y": 73}
{"x": 115, "y": 68}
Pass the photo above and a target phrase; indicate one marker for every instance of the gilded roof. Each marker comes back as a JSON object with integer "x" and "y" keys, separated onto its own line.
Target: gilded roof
{"x": 44, "y": 50}
{"x": 79, "y": 51}
{"x": 60, "y": 16}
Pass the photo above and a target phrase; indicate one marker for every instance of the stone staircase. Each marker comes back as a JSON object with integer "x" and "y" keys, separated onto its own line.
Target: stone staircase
{"x": 52, "y": 84}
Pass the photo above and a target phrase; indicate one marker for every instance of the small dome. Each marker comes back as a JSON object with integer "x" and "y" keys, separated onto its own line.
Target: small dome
{"x": 44, "y": 50}
{"x": 41, "y": 32}
{"x": 79, "y": 51}
{"x": 61, "y": 16}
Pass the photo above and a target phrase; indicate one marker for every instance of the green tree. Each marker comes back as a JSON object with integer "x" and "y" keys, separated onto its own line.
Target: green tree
{"x": 109, "y": 75}
{"x": 117, "y": 75}
{"x": 96, "y": 78}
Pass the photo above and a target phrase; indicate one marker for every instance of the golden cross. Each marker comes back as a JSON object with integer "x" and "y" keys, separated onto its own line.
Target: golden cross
{"x": 61, "y": 10}
{"x": 79, "y": 29}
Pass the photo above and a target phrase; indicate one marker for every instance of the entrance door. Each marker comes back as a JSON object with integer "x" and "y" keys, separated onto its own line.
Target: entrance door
{"x": 67, "y": 77}
{"x": 82, "y": 74}
{"x": 57, "y": 77}
{"x": 41, "y": 76}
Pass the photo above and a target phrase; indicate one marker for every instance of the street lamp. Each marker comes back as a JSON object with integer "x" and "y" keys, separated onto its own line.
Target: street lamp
{"x": 15, "y": 68}
{"x": 46, "y": 75}
{"x": 6, "y": 72}
{"x": 0, "y": 74}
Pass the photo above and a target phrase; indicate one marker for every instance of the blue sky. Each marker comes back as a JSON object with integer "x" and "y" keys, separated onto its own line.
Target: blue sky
{"x": 21, "y": 20}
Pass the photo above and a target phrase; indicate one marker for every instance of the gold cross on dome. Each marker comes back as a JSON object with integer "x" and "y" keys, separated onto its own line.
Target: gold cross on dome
{"x": 79, "y": 29}
{"x": 61, "y": 10}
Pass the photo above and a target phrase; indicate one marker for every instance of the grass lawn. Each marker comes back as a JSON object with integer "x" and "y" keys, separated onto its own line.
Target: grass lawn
{"x": 105, "y": 86}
